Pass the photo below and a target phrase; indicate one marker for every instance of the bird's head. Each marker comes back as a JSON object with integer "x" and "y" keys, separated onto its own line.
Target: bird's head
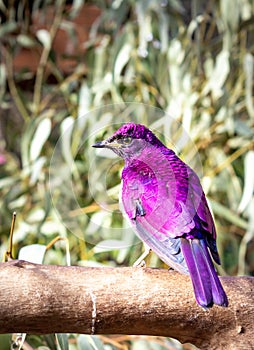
{"x": 129, "y": 140}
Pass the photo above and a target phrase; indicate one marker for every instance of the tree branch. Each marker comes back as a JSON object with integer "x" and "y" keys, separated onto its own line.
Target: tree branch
{"x": 42, "y": 299}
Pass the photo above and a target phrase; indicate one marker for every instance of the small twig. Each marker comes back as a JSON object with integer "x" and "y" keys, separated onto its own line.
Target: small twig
{"x": 8, "y": 254}
{"x": 12, "y": 86}
{"x": 44, "y": 57}
{"x": 67, "y": 247}
{"x": 46, "y": 100}
{"x": 140, "y": 262}
{"x": 231, "y": 159}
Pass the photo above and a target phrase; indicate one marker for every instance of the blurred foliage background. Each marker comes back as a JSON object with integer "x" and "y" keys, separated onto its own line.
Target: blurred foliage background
{"x": 61, "y": 63}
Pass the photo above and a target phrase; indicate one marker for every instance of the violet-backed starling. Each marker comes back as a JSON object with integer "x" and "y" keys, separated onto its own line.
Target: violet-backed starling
{"x": 165, "y": 204}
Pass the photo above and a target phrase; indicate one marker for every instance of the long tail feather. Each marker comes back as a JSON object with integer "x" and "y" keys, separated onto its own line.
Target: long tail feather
{"x": 207, "y": 286}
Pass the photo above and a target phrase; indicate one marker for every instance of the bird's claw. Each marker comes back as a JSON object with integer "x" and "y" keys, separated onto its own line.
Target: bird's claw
{"x": 140, "y": 262}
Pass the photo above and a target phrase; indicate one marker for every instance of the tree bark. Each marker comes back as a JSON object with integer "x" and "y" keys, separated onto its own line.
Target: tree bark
{"x": 41, "y": 299}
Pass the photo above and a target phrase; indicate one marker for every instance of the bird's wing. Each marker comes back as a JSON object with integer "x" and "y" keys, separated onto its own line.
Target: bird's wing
{"x": 203, "y": 218}
{"x": 168, "y": 249}
{"x": 136, "y": 204}
{"x": 198, "y": 201}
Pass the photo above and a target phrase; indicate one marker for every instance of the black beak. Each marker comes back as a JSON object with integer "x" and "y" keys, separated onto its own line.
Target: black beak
{"x": 100, "y": 144}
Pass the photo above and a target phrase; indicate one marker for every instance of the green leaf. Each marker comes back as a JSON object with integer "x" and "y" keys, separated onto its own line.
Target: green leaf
{"x": 121, "y": 60}
{"x": 8, "y": 181}
{"x": 3, "y": 75}
{"x": 76, "y": 7}
{"x": 5, "y": 340}
{"x": 227, "y": 214}
{"x": 66, "y": 138}
{"x": 33, "y": 253}
{"x": 89, "y": 342}
{"x": 248, "y": 181}
{"x": 26, "y": 142}
{"x": 36, "y": 170}
{"x": 219, "y": 75}
{"x": 26, "y": 41}
{"x": 44, "y": 37}
{"x": 40, "y": 137}
{"x": 109, "y": 245}
{"x": 7, "y": 28}
{"x": 248, "y": 70}
{"x": 62, "y": 341}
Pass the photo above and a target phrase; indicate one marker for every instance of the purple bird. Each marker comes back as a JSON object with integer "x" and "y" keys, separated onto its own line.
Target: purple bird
{"x": 166, "y": 206}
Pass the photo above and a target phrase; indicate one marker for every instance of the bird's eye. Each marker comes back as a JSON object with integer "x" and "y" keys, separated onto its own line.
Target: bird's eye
{"x": 125, "y": 140}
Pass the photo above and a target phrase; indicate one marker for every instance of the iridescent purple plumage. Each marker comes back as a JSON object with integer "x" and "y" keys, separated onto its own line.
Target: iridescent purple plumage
{"x": 165, "y": 203}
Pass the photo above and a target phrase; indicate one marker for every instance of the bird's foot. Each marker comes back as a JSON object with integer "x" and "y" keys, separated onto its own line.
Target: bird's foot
{"x": 140, "y": 262}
